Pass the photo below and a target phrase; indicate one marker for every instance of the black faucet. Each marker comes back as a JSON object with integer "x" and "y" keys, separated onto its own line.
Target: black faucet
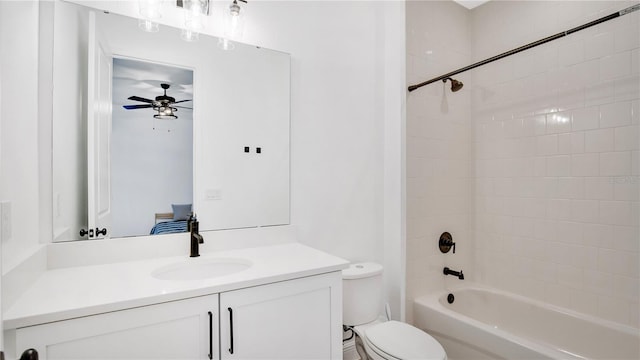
{"x": 196, "y": 238}
{"x": 448, "y": 271}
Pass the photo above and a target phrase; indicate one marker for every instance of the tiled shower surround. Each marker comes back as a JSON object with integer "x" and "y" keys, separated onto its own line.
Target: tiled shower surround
{"x": 552, "y": 183}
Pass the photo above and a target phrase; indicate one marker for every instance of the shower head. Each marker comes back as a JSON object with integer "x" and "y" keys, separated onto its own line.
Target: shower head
{"x": 455, "y": 84}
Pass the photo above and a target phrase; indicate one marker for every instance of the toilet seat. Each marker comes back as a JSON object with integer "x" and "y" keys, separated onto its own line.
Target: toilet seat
{"x": 393, "y": 340}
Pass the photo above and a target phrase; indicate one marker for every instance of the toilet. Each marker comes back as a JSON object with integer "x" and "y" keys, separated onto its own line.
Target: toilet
{"x": 378, "y": 339}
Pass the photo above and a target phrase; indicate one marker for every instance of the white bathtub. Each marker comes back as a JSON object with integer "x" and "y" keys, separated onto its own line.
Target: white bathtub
{"x": 484, "y": 323}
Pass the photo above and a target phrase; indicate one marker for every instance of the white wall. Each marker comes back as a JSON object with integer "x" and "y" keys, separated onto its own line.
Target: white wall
{"x": 68, "y": 112}
{"x": 1, "y": 224}
{"x": 345, "y": 58}
{"x": 19, "y": 121}
{"x": 151, "y": 168}
{"x": 556, "y": 153}
{"x": 394, "y": 119}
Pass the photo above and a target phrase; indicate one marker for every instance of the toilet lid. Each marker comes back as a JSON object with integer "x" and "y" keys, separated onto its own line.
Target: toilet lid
{"x": 404, "y": 341}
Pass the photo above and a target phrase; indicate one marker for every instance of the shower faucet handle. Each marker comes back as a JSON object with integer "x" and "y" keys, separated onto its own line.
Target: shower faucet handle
{"x": 446, "y": 243}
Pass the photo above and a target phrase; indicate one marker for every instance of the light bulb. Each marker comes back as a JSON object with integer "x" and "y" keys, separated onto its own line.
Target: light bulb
{"x": 192, "y": 19}
{"x": 234, "y": 9}
{"x": 234, "y": 22}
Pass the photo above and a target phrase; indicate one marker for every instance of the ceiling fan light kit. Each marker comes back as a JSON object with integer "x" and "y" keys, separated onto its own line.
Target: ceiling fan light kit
{"x": 164, "y": 105}
{"x": 166, "y": 114}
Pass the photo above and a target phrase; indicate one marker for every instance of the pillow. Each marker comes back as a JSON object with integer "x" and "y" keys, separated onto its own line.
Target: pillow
{"x": 181, "y": 212}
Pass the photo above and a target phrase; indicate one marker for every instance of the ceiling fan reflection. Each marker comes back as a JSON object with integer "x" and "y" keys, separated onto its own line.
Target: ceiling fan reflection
{"x": 164, "y": 105}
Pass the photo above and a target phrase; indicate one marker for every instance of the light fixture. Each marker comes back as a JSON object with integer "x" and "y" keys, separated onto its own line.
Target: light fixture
{"x": 193, "y": 11}
{"x": 149, "y": 11}
{"x": 235, "y": 20}
{"x": 165, "y": 113}
{"x": 234, "y": 25}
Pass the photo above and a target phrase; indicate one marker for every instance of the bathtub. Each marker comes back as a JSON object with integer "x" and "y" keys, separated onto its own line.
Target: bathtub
{"x": 484, "y": 323}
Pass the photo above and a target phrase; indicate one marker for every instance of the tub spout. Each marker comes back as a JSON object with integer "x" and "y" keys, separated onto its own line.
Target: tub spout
{"x": 448, "y": 271}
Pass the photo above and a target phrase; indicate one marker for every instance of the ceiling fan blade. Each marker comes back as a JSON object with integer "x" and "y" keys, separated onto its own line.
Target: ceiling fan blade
{"x": 138, "y": 98}
{"x": 182, "y": 107}
{"x": 182, "y": 101}
{"x": 132, "y": 107}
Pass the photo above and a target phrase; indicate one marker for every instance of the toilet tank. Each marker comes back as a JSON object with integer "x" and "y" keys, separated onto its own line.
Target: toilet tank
{"x": 361, "y": 293}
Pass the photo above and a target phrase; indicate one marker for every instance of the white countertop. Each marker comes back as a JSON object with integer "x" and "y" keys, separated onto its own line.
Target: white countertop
{"x": 66, "y": 293}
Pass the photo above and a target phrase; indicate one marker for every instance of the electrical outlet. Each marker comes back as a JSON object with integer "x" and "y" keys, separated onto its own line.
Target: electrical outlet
{"x": 5, "y": 216}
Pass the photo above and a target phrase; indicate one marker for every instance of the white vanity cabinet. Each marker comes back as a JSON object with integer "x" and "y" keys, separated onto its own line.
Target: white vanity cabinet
{"x": 297, "y": 319}
{"x": 292, "y": 319}
{"x": 173, "y": 330}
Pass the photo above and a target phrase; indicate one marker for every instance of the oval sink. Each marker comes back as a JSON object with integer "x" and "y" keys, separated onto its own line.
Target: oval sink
{"x": 200, "y": 268}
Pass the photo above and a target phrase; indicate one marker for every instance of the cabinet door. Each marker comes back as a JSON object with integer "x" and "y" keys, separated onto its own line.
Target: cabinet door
{"x": 297, "y": 319}
{"x": 173, "y": 330}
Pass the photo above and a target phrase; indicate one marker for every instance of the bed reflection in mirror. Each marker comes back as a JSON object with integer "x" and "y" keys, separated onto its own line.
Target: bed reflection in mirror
{"x": 151, "y": 148}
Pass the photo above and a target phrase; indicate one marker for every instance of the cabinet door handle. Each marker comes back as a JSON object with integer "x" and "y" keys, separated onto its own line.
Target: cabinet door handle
{"x": 210, "y": 335}
{"x": 230, "y": 330}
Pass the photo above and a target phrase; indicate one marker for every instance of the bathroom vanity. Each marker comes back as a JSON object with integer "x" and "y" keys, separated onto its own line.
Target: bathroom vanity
{"x": 279, "y": 302}
{"x": 136, "y": 296}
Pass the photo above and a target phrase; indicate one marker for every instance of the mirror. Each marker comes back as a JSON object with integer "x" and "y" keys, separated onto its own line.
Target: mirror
{"x": 233, "y": 164}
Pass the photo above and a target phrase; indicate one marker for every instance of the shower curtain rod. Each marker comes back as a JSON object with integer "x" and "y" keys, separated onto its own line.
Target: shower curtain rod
{"x": 628, "y": 10}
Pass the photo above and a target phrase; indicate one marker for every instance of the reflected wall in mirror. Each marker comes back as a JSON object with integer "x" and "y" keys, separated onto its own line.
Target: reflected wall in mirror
{"x": 241, "y": 100}
{"x": 69, "y": 121}
{"x": 151, "y": 148}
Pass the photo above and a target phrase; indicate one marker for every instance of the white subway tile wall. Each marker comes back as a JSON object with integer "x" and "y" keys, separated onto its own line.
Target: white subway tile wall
{"x": 439, "y": 147}
{"x": 544, "y": 199}
{"x": 583, "y": 251}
